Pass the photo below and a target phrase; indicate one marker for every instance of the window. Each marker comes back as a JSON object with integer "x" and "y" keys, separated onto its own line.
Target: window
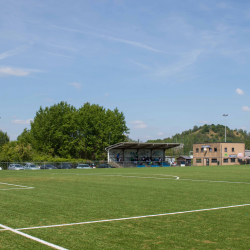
{"x": 233, "y": 160}
{"x": 214, "y": 161}
{"x": 215, "y": 149}
{"x": 198, "y": 160}
{"x": 202, "y": 150}
{"x": 225, "y": 149}
{"x": 232, "y": 149}
{"x": 210, "y": 149}
{"x": 197, "y": 150}
{"x": 225, "y": 160}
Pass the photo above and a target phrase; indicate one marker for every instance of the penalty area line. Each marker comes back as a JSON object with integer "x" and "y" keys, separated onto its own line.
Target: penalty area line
{"x": 136, "y": 217}
{"x": 32, "y": 238}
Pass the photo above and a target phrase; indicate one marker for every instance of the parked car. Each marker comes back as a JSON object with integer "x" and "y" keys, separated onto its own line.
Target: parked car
{"x": 31, "y": 166}
{"x": 64, "y": 166}
{"x": 104, "y": 165}
{"x": 72, "y": 165}
{"x": 15, "y": 167}
{"x": 84, "y": 166}
{"x": 48, "y": 166}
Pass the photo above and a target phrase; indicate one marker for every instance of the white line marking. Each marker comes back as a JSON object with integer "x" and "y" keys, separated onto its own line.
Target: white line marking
{"x": 234, "y": 182}
{"x": 158, "y": 178}
{"x": 20, "y": 187}
{"x": 130, "y": 218}
{"x": 32, "y": 238}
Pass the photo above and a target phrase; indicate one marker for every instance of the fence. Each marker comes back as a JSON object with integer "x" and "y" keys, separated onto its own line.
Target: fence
{"x": 57, "y": 165}
{"x": 73, "y": 165}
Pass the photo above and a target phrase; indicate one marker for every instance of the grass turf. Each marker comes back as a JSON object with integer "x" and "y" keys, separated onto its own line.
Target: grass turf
{"x": 71, "y": 196}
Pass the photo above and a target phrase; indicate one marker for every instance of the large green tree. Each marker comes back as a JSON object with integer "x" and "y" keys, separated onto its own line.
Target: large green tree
{"x": 64, "y": 131}
{"x": 4, "y": 138}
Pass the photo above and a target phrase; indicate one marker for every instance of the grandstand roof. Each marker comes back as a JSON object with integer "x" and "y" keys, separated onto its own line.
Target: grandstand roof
{"x": 142, "y": 145}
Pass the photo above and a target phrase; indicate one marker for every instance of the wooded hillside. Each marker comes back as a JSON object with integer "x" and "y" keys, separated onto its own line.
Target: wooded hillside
{"x": 205, "y": 134}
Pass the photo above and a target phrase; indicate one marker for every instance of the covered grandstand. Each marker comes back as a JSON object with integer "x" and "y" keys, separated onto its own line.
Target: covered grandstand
{"x": 138, "y": 152}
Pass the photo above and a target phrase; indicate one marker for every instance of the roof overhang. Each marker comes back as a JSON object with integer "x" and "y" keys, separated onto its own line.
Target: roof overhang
{"x": 142, "y": 145}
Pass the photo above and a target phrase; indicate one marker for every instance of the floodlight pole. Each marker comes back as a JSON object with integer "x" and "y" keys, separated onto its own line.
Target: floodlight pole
{"x": 225, "y": 127}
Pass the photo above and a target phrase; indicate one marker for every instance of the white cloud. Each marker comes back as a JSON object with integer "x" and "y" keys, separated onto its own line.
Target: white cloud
{"x": 76, "y": 85}
{"x": 204, "y": 122}
{"x": 223, "y": 5}
{"x": 106, "y": 94}
{"x": 187, "y": 60}
{"x": 138, "y": 124}
{"x": 63, "y": 47}
{"x": 148, "y": 136}
{"x": 53, "y": 54}
{"x": 160, "y": 133}
{"x": 13, "y": 72}
{"x": 136, "y": 44}
{"x": 50, "y": 100}
{"x": 245, "y": 108}
{"x": 239, "y": 91}
{"x": 22, "y": 121}
{"x": 13, "y": 52}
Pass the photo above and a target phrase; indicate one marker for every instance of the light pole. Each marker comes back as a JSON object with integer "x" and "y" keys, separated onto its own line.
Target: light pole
{"x": 225, "y": 128}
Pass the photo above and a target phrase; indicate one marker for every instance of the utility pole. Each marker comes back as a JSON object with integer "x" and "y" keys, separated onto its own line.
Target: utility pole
{"x": 225, "y": 127}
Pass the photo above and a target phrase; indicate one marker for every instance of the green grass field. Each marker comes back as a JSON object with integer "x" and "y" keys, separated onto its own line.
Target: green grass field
{"x": 75, "y": 196}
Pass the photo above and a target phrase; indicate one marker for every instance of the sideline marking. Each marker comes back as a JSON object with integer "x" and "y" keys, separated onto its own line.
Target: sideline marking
{"x": 32, "y": 238}
{"x": 123, "y": 175}
{"x": 158, "y": 178}
{"x": 131, "y": 218}
{"x": 20, "y": 187}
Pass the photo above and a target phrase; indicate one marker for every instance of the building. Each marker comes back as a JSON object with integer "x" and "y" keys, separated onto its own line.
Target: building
{"x": 219, "y": 153}
{"x": 247, "y": 153}
{"x": 184, "y": 160}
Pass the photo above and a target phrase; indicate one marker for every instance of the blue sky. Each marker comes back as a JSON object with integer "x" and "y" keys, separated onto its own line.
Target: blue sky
{"x": 167, "y": 64}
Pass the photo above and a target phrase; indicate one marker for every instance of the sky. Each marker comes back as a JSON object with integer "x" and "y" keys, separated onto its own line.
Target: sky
{"x": 166, "y": 64}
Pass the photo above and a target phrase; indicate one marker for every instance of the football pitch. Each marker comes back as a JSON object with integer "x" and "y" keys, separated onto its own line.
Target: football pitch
{"x": 134, "y": 208}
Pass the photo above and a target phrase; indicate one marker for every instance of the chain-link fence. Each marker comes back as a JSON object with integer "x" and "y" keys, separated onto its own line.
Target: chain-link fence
{"x": 83, "y": 164}
{"x": 49, "y": 165}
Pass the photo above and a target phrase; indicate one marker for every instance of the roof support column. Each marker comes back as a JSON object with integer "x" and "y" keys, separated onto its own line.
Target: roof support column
{"x": 163, "y": 158}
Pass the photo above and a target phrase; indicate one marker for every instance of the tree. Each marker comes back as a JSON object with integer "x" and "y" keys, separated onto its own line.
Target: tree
{"x": 4, "y": 138}
{"x": 16, "y": 151}
{"x": 62, "y": 130}
{"x": 247, "y": 144}
{"x": 25, "y": 137}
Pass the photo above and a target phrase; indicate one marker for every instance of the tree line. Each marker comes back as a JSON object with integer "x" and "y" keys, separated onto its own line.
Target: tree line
{"x": 64, "y": 132}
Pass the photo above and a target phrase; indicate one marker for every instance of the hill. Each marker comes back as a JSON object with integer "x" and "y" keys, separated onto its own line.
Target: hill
{"x": 205, "y": 134}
